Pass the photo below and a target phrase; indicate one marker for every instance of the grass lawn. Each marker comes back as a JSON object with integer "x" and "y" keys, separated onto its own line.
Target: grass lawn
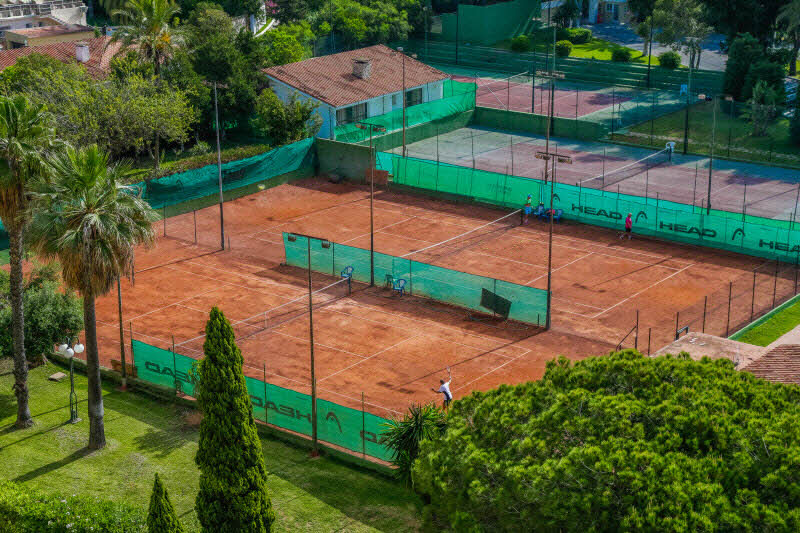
{"x": 733, "y": 135}
{"x": 596, "y": 48}
{"x": 145, "y": 437}
{"x": 771, "y": 329}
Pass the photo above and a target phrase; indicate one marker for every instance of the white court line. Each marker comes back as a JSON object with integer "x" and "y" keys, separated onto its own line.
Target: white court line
{"x": 387, "y": 325}
{"x": 171, "y": 304}
{"x": 370, "y": 357}
{"x": 317, "y": 343}
{"x": 378, "y": 230}
{"x": 559, "y": 268}
{"x": 641, "y": 291}
{"x": 574, "y": 313}
{"x": 259, "y": 291}
{"x": 421, "y": 320}
{"x": 492, "y": 370}
{"x": 578, "y": 303}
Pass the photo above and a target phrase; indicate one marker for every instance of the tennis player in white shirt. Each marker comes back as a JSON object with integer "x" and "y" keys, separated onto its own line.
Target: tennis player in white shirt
{"x": 444, "y": 388}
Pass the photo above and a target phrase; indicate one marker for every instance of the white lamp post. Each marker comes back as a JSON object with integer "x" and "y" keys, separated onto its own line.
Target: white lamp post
{"x": 69, "y": 352}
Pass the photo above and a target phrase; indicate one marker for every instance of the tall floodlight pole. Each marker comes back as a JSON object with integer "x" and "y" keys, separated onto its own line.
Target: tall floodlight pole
{"x": 711, "y": 158}
{"x": 379, "y": 129}
{"x": 457, "y": 27}
{"x": 219, "y": 174}
{"x": 649, "y": 51}
{"x": 425, "y": 10}
{"x": 325, "y": 244}
{"x": 686, "y": 116}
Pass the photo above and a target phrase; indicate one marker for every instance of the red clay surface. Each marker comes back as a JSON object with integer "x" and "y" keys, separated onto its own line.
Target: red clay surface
{"x": 764, "y": 197}
{"x": 395, "y": 349}
{"x": 516, "y": 96}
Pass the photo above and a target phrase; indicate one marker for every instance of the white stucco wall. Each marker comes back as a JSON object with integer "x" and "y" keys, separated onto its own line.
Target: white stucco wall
{"x": 375, "y": 106}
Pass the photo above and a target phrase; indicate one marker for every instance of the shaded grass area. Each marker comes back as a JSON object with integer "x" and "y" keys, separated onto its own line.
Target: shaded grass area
{"x": 594, "y": 49}
{"x": 774, "y": 327}
{"x": 733, "y": 134}
{"x": 146, "y": 436}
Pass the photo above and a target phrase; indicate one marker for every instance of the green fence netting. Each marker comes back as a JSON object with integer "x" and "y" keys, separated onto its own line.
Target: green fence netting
{"x": 527, "y": 304}
{"x": 457, "y": 97}
{"x": 201, "y": 182}
{"x": 352, "y": 429}
{"x": 762, "y": 237}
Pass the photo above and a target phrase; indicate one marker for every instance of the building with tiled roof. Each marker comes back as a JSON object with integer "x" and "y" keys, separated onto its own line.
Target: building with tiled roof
{"x": 95, "y": 54}
{"x": 780, "y": 365}
{"x": 23, "y": 14}
{"x": 355, "y": 85}
{"x": 47, "y": 35}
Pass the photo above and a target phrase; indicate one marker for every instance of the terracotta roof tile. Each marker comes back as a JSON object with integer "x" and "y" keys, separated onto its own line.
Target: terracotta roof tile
{"x": 781, "y": 365}
{"x": 51, "y": 31}
{"x": 331, "y": 80}
{"x": 99, "y": 55}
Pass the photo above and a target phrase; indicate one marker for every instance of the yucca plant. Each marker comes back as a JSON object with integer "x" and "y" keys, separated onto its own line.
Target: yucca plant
{"x": 403, "y": 436}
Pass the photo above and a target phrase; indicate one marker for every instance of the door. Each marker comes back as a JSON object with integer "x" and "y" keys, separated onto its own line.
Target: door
{"x": 616, "y": 12}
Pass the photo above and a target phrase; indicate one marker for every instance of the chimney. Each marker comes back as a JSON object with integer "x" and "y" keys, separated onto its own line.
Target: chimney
{"x": 362, "y": 67}
{"x": 82, "y": 51}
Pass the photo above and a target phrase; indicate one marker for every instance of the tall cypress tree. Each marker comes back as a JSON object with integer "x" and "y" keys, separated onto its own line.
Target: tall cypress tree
{"x": 233, "y": 493}
{"x": 161, "y": 517}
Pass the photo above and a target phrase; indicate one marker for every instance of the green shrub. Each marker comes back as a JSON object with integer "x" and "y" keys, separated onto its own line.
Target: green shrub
{"x": 744, "y": 51}
{"x": 521, "y": 43}
{"x": 233, "y": 477}
{"x": 794, "y": 125}
{"x": 404, "y": 435}
{"x": 161, "y": 516}
{"x": 621, "y": 55}
{"x": 670, "y": 59}
{"x": 200, "y": 148}
{"x": 579, "y": 35}
{"x": 24, "y": 510}
{"x": 618, "y": 443}
{"x": 563, "y": 48}
{"x": 562, "y": 34}
{"x": 190, "y": 163}
{"x": 770, "y": 73}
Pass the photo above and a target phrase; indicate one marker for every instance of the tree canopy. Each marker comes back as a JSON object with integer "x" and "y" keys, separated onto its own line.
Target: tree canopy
{"x": 617, "y": 443}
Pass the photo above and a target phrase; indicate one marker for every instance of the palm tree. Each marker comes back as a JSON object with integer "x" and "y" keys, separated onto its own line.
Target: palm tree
{"x": 147, "y": 28}
{"x": 789, "y": 17}
{"x": 25, "y": 133}
{"x": 90, "y": 222}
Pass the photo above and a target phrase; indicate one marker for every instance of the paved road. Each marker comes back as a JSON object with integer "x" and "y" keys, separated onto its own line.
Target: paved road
{"x": 711, "y": 58}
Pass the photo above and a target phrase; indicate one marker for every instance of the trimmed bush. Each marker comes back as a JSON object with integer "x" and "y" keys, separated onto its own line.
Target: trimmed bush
{"x": 563, "y": 48}
{"x": 579, "y": 35}
{"x": 562, "y": 34}
{"x": 621, "y": 55}
{"x": 23, "y": 509}
{"x": 233, "y": 493}
{"x": 670, "y": 60}
{"x": 521, "y": 43}
{"x": 770, "y": 73}
{"x": 161, "y": 517}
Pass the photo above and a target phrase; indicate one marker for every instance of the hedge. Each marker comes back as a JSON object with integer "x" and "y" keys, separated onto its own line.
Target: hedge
{"x": 23, "y": 509}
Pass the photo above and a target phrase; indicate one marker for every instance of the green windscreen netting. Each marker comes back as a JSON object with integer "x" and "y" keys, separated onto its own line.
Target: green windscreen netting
{"x": 762, "y": 237}
{"x": 457, "y": 97}
{"x": 204, "y": 181}
{"x": 470, "y": 291}
{"x": 349, "y": 428}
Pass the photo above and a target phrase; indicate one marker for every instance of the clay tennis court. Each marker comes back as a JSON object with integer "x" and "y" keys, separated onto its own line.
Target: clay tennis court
{"x": 682, "y": 180}
{"x": 390, "y": 348}
{"x": 517, "y": 94}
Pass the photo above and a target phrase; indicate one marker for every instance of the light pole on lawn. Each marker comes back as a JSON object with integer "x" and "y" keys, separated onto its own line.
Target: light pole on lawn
{"x": 324, "y": 243}
{"x": 68, "y": 349}
{"x": 400, "y": 49}
{"x": 380, "y": 129}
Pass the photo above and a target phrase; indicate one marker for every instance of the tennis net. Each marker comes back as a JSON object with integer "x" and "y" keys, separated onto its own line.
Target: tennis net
{"x": 633, "y": 169}
{"x": 446, "y": 246}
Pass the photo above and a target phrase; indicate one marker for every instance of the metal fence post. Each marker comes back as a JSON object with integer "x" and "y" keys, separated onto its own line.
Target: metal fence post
{"x": 636, "y": 337}
{"x": 363, "y": 428}
{"x": 728, "y": 321}
{"x": 194, "y": 214}
{"x": 753, "y": 300}
{"x": 648, "y": 340}
{"x": 775, "y": 284}
{"x": 677, "y": 316}
{"x": 266, "y": 410}
{"x": 705, "y": 305}
{"x": 174, "y": 366}
{"x": 164, "y": 217}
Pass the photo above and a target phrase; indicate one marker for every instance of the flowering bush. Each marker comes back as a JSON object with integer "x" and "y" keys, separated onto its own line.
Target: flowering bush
{"x": 23, "y": 509}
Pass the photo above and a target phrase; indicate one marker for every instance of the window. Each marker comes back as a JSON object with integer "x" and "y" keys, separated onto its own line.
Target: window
{"x": 354, "y": 113}
{"x": 413, "y": 97}
{"x": 609, "y": 8}
{"x": 395, "y": 100}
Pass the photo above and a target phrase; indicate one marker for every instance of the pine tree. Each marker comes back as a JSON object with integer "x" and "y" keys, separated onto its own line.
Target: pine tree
{"x": 233, "y": 493}
{"x": 161, "y": 518}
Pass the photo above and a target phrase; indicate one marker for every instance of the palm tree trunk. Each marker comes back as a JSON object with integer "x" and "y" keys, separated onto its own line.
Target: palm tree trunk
{"x": 24, "y": 418}
{"x": 97, "y": 434}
